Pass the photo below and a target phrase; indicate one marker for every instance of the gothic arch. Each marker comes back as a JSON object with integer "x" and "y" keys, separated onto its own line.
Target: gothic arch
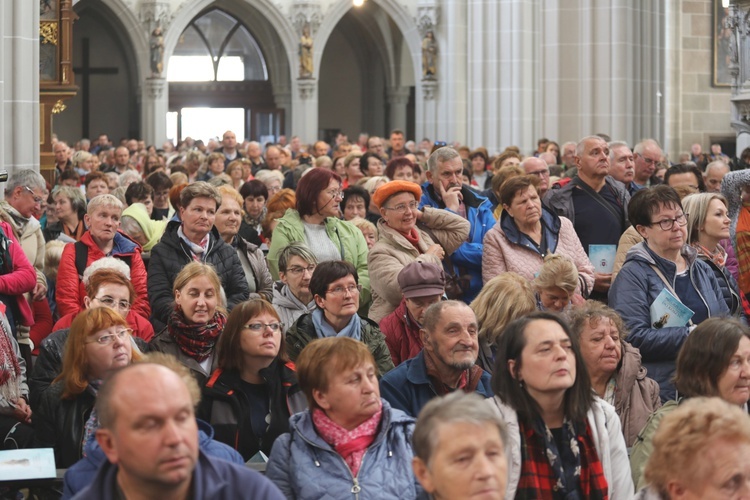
{"x": 133, "y": 31}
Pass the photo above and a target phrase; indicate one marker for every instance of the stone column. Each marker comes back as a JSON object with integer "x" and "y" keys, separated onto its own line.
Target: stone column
{"x": 282, "y": 95}
{"x": 426, "y": 119}
{"x": 154, "y": 107}
{"x": 19, "y": 85}
{"x": 305, "y": 111}
{"x": 397, "y": 98}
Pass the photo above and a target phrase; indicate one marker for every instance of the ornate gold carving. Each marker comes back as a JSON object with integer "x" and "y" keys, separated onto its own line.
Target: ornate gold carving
{"x": 48, "y": 32}
{"x": 59, "y": 107}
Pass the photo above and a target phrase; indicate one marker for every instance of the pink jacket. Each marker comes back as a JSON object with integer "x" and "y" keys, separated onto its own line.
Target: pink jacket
{"x": 21, "y": 279}
{"x": 502, "y": 255}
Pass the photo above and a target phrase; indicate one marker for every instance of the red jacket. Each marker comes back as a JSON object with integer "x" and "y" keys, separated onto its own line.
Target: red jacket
{"x": 142, "y": 328}
{"x": 21, "y": 279}
{"x": 71, "y": 291}
{"x": 401, "y": 334}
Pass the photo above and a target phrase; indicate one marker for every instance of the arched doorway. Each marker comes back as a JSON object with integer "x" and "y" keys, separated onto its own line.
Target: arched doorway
{"x": 218, "y": 80}
{"x": 364, "y": 63}
{"x": 106, "y": 74}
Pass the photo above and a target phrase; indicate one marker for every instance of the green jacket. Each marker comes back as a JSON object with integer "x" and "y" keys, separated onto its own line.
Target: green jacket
{"x": 302, "y": 332}
{"x": 345, "y": 235}
{"x": 644, "y": 443}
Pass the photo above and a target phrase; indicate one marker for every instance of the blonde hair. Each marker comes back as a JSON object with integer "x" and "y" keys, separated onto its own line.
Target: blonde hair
{"x": 502, "y": 300}
{"x": 363, "y": 224}
{"x": 557, "y": 270}
{"x": 232, "y": 193}
{"x": 695, "y": 206}
{"x": 194, "y": 270}
{"x": 686, "y": 434}
{"x": 52, "y": 254}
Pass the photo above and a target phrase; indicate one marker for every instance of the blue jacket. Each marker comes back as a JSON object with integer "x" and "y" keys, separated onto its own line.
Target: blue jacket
{"x": 636, "y": 287}
{"x": 469, "y": 255}
{"x": 83, "y": 472}
{"x": 213, "y": 478}
{"x": 305, "y": 467}
{"x": 408, "y": 388}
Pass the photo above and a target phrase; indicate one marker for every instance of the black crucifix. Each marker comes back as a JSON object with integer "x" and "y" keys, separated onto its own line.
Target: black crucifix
{"x": 85, "y": 71}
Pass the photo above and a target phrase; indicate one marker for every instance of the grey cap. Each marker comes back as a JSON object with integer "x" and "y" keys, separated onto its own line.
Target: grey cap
{"x": 421, "y": 279}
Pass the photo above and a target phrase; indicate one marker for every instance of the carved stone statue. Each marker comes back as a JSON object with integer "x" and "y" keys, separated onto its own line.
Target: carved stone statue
{"x": 306, "y": 54}
{"x": 429, "y": 56}
{"x": 157, "y": 52}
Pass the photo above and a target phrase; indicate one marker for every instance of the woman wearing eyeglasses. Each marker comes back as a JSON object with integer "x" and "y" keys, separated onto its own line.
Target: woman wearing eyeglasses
{"x": 99, "y": 342}
{"x": 408, "y": 235}
{"x": 336, "y": 291}
{"x": 196, "y": 322}
{"x": 316, "y": 223}
{"x": 252, "y": 393}
{"x": 662, "y": 263}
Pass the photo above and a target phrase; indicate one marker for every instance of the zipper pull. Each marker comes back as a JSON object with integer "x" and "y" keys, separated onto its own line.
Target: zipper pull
{"x": 355, "y": 487}
{"x": 317, "y": 464}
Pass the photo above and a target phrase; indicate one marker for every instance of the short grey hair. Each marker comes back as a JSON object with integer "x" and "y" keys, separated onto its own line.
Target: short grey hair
{"x": 128, "y": 177}
{"x": 616, "y": 144}
{"x": 456, "y": 407}
{"x": 269, "y": 175}
{"x": 106, "y": 263}
{"x": 434, "y": 314}
{"x": 716, "y": 165}
{"x": 296, "y": 249}
{"x": 441, "y": 155}
{"x": 582, "y": 143}
{"x": 75, "y": 195}
{"x": 27, "y": 177}
{"x": 641, "y": 146}
{"x": 104, "y": 200}
{"x": 199, "y": 189}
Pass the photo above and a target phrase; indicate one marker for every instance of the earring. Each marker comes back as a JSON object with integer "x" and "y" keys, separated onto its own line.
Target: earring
{"x": 520, "y": 384}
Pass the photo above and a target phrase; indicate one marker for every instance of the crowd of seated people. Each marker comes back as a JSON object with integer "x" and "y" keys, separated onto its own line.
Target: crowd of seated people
{"x": 331, "y": 311}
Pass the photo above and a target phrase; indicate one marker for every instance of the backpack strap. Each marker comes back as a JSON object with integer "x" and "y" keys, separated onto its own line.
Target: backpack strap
{"x": 82, "y": 257}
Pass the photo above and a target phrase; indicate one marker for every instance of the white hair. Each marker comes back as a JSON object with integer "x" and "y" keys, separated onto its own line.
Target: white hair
{"x": 106, "y": 263}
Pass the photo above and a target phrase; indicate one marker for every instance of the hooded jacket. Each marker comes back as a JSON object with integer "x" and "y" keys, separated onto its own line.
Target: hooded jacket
{"x": 506, "y": 250}
{"x": 636, "y": 395}
{"x": 70, "y": 288}
{"x": 345, "y": 235}
{"x": 302, "y": 332}
{"x": 256, "y": 270}
{"x": 468, "y": 256}
{"x": 171, "y": 254}
{"x": 305, "y": 467}
{"x": 83, "y": 472}
{"x": 636, "y": 287}
{"x": 223, "y": 405}
{"x": 287, "y": 305}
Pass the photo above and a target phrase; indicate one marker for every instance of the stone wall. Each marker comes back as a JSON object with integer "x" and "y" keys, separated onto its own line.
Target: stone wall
{"x": 698, "y": 111}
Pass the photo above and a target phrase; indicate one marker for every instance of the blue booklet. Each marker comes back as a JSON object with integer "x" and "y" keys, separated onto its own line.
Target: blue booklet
{"x": 38, "y": 463}
{"x": 667, "y": 310}
{"x": 602, "y": 257}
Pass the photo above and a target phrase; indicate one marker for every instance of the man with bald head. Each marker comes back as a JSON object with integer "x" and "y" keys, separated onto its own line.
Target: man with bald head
{"x": 595, "y": 203}
{"x": 229, "y": 148}
{"x": 273, "y": 158}
{"x": 715, "y": 172}
{"x": 538, "y": 166}
{"x": 647, "y": 154}
{"x": 149, "y": 434}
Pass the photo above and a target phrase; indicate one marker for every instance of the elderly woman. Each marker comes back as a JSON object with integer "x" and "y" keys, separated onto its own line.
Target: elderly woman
{"x": 527, "y": 232}
{"x": 662, "y": 264}
{"x": 82, "y": 162}
{"x": 316, "y": 222}
{"x": 15, "y": 412}
{"x": 562, "y": 437}
{"x": 503, "y": 299}
{"x": 99, "y": 342}
{"x": 214, "y": 166}
{"x": 400, "y": 169}
{"x": 349, "y": 440}
{"x": 701, "y": 450}
{"x": 272, "y": 179}
{"x": 69, "y": 208}
{"x": 137, "y": 224}
{"x": 708, "y": 224}
{"x": 102, "y": 239}
{"x": 714, "y": 361}
{"x": 253, "y": 391}
{"x": 372, "y": 185}
{"x": 614, "y": 366}
{"x": 197, "y": 320}
{"x": 234, "y": 171}
{"x": 355, "y": 202}
{"x": 228, "y": 220}
{"x": 555, "y": 284}
{"x": 291, "y": 294}
{"x": 193, "y": 238}
{"x": 255, "y": 195}
{"x": 335, "y": 288}
{"x": 408, "y": 234}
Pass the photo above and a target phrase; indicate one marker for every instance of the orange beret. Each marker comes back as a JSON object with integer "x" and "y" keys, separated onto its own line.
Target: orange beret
{"x": 391, "y": 188}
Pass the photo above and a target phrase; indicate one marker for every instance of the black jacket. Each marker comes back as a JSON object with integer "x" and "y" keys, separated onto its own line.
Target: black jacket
{"x": 171, "y": 254}
{"x": 59, "y": 424}
{"x": 223, "y": 405}
{"x": 48, "y": 364}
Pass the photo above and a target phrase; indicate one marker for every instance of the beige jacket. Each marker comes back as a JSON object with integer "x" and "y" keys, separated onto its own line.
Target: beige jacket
{"x": 628, "y": 239}
{"x": 392, "y": 252}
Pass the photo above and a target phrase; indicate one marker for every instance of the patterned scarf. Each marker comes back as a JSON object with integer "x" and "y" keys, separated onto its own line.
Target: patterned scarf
{"x": 468, "y": 382}
{"x": 351, "y": 445}
{"x": 10, "y": 370}
{"x": 197, "y": 340}
{"x": 718, "y": 257}
{"x": 92, "y": 424}
{"x": 254, "y": 222}
{"x": 197, "y": 250}
{"x": 77, "y": 233}
{"x": 19, "y": 221}
{"x": 573, "y": 473}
